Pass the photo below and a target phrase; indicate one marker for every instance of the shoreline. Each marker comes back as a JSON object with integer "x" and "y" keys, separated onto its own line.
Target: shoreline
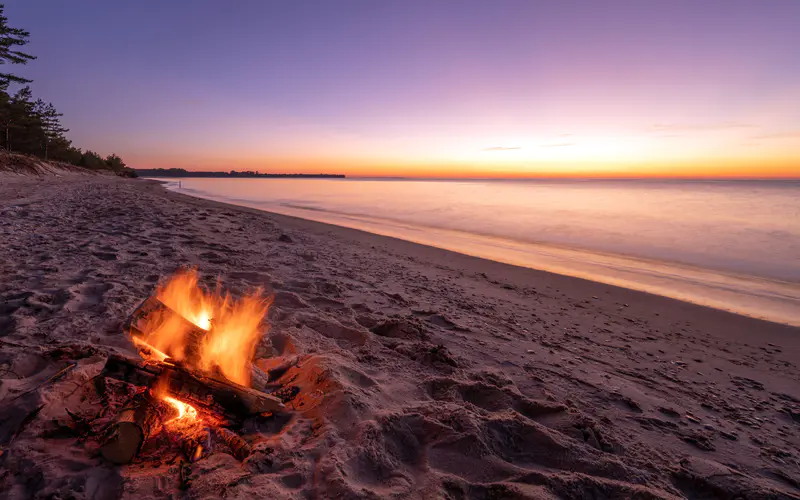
{"x": 516, "y": 275}
{"x": 436, "y": 373}
{"x": 747, "y": 295}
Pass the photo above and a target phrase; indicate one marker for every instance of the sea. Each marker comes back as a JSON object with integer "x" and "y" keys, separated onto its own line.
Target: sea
{"x": 728, "y": 244}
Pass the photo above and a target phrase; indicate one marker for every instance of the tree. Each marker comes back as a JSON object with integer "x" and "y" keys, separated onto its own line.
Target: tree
{"x": 34, "y": 127}
{"x": 9, "y": 39}
{"x": 114, "y": 162}
{"x": 17, "y": 114}
{"x": 51, "y": 123}
{"x": 92, "y": 160}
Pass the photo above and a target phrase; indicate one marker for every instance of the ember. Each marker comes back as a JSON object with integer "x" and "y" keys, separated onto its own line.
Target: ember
{"x": 185, "y": 411}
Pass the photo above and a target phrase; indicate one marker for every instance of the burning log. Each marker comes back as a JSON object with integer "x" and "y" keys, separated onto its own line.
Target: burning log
{"x": 220, "y": 396}
{"x": 134, "y": 425}
{"x": 152, "y": 315}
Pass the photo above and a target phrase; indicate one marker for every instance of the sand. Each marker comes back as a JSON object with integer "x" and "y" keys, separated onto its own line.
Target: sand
{"x": 423, "y": 373}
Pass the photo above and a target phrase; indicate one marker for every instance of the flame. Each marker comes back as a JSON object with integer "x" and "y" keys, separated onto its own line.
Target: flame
{"x": 233, "y": 327}
{"x": 188, "y": 418}
{"x": 186, "y": 412}
{"x": 148, "y": 351}
{"x": 231, "y": 344}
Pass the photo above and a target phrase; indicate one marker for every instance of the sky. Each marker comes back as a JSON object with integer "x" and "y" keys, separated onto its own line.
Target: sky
{"x": 426, "y": 88}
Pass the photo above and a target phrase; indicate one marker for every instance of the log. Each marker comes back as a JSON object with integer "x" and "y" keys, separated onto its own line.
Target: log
{"x": 152, "y": 313}
{"x": 220, "y": 396}
{"x": 238, "y": 446}
{"x": 258, "y": 379}
{"x": 135, "y": 424}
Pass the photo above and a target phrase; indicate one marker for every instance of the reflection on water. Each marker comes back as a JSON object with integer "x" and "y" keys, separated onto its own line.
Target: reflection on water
{"x": 729, "y": 244}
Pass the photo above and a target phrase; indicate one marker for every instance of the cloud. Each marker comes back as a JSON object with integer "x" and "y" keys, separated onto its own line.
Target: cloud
{"x": 697, "y": 127}
{"x": 501, "y": 148}
{"x": 558, "y": 145}
{"x": 786, "y": 135}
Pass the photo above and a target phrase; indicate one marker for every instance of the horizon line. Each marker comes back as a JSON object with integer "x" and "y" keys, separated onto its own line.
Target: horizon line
{"x": 339, "y": 176}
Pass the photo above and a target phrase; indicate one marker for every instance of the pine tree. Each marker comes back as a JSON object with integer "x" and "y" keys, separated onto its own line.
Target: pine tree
{"x": 50, "y": 122}
{"x": 35, "y": 128}
{"x": 18, "y": 116}
{"x": 9, "y": 39}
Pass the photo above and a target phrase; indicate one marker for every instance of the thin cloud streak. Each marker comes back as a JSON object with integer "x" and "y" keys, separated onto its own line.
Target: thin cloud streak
{"x": 501, "y": 148}
{"x": 558, "y": 145}
{"x": 788, "y": 135}
{"x": 685, "y": 127}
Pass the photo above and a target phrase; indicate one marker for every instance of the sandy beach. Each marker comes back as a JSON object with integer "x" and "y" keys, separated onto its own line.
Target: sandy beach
{"x": 423, "y": 373}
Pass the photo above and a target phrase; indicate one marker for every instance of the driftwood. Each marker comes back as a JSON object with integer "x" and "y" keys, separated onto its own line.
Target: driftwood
{"x": 220, "y": 396}
{"x": 134, "y": 425}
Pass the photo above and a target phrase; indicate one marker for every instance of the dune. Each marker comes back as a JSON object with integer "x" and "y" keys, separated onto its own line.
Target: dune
{"x": 421, "y": 373}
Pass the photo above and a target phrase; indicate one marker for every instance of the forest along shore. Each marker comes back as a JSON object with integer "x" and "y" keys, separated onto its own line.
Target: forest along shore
{"x": 448, "y": 374}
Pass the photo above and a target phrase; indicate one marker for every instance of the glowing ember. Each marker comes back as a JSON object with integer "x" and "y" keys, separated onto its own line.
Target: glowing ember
{"x": 233, "y": 327}
{"x": 186, "y": 412}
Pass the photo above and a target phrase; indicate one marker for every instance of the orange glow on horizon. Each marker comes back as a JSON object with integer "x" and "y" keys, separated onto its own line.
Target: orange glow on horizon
{"x": 708, "y": 168}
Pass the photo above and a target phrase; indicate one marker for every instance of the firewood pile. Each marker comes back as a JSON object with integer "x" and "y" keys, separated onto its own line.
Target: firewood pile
{"x": 174, "y": 391}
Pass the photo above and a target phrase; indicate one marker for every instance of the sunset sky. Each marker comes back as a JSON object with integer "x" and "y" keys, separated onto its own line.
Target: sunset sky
{"x": 426, "y": 88}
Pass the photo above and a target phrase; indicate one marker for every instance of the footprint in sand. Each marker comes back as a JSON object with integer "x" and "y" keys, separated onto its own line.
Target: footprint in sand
{"x": 88, "y": 296}
{"x": 106, "y": 256}
{"x": 252, "y": 277}
{"x": 8, "y": 325}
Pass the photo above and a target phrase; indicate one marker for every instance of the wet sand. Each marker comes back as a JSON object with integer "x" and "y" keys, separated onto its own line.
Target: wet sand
{"x": 424, "y": 373}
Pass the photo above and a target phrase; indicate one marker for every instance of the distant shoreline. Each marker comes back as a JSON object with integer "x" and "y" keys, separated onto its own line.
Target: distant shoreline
{"x": 175, "y": 173}
{"x": 179, "y": 172}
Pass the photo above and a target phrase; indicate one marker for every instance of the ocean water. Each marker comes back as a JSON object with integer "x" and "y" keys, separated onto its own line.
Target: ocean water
{"x": 733, "y": 245}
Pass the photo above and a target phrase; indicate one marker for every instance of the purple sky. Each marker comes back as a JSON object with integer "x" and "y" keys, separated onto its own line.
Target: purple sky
{"x": 425, "y": 87}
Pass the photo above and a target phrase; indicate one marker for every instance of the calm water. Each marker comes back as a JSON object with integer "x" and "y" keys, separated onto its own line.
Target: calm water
{"x": 730, "y": 244}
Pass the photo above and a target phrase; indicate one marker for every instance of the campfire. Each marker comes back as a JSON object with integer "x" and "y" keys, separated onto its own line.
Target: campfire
{"x": 194, "y": 375}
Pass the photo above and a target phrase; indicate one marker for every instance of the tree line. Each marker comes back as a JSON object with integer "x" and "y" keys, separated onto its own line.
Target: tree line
{"x": 180, "y": 172}
{"x": 33, "y": 126}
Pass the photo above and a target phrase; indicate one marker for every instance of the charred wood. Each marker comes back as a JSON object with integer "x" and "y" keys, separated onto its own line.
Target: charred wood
{"x": 197, "y": 446}
{"x": 220, "y": 396}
